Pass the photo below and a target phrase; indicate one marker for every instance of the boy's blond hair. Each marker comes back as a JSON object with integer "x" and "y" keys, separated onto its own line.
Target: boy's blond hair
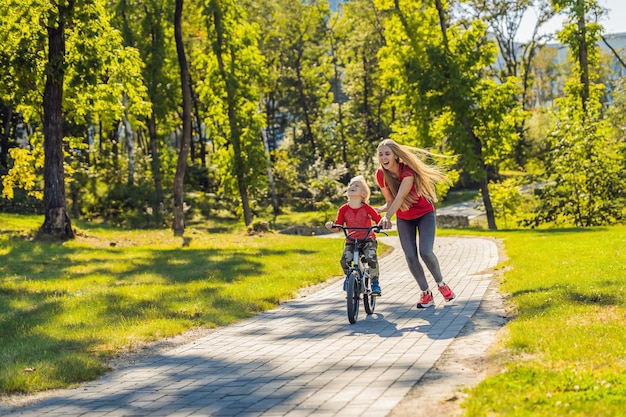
{"x": 366, "y": 188}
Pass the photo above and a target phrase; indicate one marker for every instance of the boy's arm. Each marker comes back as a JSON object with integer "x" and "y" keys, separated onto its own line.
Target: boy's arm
{"x": 329, "y": 226}
{"x": 374, "y": 214}
{"x": 338, "y": 220}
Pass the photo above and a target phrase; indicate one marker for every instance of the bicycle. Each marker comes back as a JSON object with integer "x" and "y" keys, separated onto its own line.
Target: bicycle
{"x": 358, "y": 283}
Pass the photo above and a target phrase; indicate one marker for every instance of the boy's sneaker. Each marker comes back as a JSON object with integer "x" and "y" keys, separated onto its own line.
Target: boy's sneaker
{"x": 446, "y": 292}
{"x": 376, "y": 289}
{"x": 426, "y": 300}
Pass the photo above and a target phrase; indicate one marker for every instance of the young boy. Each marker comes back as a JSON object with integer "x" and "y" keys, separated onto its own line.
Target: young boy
{"x": 358, "y": 213}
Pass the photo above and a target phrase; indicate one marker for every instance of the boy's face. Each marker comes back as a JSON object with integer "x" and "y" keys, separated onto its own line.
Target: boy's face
{"x": 355, "y": 189}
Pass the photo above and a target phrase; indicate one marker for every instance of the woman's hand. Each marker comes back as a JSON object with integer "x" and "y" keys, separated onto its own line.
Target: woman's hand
{"x": 385, "y": 223}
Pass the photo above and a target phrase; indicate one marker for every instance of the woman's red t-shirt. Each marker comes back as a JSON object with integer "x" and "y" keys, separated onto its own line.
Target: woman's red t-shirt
{"x": 421, "y": 205}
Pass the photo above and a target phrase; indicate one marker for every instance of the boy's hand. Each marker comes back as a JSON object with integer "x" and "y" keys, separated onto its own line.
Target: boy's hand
{"x": 329, "y": 225}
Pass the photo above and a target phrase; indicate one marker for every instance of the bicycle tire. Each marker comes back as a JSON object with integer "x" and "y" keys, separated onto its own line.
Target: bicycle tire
{"x": 353, "y": 296}
{"x": 369, "y": 300}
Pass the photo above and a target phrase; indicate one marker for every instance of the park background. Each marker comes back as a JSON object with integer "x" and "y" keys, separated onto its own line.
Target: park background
{"x": 153, "y": 117}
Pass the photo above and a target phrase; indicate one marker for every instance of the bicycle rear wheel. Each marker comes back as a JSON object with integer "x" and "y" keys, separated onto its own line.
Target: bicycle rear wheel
{"x": 352, "y": 296}
{"x": 369, "y": 300}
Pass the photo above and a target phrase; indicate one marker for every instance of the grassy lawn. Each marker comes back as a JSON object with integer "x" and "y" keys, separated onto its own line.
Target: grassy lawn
{"x": 564, "y": 352}
{"x": 65, "y": 309}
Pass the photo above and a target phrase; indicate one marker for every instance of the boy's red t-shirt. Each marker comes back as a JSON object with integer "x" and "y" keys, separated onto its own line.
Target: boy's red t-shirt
{"x": 420, "y": 207}
{"x": 361, "y": 217}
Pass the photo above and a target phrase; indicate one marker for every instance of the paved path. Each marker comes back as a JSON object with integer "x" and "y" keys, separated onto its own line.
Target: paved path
{"x": 304, "y": 358}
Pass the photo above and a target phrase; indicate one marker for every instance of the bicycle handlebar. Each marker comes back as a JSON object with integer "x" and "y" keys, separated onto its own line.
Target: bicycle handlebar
{"x": 375, "y": 228}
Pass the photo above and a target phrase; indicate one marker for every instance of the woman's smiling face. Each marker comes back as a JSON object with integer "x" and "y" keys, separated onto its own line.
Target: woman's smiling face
{"x": 387, "y": 158}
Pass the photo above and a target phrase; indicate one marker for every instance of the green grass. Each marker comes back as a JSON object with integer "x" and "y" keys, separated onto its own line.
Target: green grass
{"x": 65, "y": 309}
{"x": 564, "y": 352}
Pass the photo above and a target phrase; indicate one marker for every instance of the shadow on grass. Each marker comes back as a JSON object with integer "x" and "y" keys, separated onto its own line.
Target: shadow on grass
{"x": 555, "y": 297}
{"x": 48, "y": 292}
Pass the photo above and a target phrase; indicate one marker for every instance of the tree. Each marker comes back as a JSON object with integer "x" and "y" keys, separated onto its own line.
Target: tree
{"x": 369, "y": 107}
{"x": 179, "y": 214}
{"x": 305, "y": 73}
{"x": 586, "y": 161}
{"x": 234, "y": 71}
{"x": 438, "y": 69}
{"x": 146, "y": 26}
{"x": 56, "y": 221}
{"x": 87, "y": 73}
{"x": 516, "y": 59}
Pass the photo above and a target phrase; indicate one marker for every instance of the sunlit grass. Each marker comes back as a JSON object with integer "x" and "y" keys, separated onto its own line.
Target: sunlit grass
{"x": 564, "y": 352}
{"x": 65, "y": 309}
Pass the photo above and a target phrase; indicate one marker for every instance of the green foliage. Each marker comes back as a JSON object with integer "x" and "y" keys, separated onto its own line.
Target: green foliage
{"x": 329, "y": 85}
{"x": 366, "y": 109}
{"x": 323, "y": 186}
{"x": 104, "y": 78}
{"x": 25, "y": 172}
{"x": 22, "y": 57}
{"x": 586, "y": 160}
{"x": 235, "y": 70}
{"x": 437, "y": 70}
{"x": 285, "y": 170}
{"x": 587, "y": 174}
{"x": 21, "y": 203}
{"x": 506, "y": 198}
{"x": 259, "y": 226}
{"x": 127, "y": 206}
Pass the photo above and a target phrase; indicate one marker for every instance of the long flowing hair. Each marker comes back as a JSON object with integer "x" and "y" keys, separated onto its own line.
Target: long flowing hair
{"x": 425, "y": 176}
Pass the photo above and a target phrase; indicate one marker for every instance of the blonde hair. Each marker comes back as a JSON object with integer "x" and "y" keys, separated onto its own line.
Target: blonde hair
{"x": 425, "y": 175}
{"x": 366, "y": 188}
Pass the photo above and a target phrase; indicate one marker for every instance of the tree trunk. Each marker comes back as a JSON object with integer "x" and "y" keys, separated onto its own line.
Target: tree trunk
{"x": 201, "y": 139}
{"x": 484, "y": 178}
{"x": 130, "y": 145}
{"x": 336, "y": 88}
{"x": 304, "y": 104}
{"x": 179, "y": 177}
{"x": 57, "y": 222}
{"x": 156, "y": 168}
{"x": 270, "y": 175}
{"x": 582, "y": 55}
{"x": 235, "y": 133}
{"x": 4, "y": 136}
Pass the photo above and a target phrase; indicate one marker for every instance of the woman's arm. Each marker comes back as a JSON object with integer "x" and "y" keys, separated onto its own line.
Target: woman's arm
{"x": 405, "y": 188}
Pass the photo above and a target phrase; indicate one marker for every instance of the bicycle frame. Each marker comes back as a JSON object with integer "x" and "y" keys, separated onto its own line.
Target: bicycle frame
{"x": 357, "y": 279}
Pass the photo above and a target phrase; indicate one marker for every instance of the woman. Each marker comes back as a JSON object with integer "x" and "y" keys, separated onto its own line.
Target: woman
{"x": 408, "y": 185}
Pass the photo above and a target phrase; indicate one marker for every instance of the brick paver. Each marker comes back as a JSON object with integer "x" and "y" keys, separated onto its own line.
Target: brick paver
{"x": 304, "y": 358}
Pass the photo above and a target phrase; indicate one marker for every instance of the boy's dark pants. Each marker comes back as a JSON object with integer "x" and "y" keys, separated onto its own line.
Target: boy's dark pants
{"x": 369, "y": 250}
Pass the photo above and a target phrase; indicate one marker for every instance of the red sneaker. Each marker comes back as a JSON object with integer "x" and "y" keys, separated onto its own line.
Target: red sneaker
{"x": 446, "y": 292}
{"x": 426, "y": 300}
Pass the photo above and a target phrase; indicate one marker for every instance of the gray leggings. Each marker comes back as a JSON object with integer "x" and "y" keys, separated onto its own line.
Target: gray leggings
{"x": 407, "y": 229}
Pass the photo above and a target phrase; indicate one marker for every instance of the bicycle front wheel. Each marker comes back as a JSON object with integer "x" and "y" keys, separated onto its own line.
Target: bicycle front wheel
{"x": 352, "y": 296}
